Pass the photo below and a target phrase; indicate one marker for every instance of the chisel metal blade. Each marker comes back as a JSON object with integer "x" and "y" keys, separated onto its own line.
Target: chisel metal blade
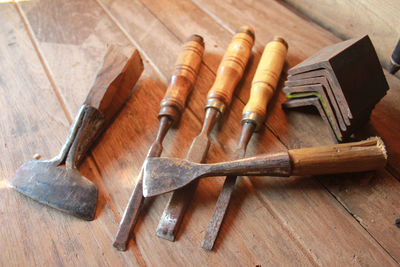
{"x": 172, "y": 216}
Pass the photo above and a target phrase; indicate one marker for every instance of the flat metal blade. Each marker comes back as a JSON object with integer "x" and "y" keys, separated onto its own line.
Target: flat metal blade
{"x": 226, "y": 192}
{"x": 65, "y": 190}
{"x": 173, "y": 214}
{"x": 135, "y": 202}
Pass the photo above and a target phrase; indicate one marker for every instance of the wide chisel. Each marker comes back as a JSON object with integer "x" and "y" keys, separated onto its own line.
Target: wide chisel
{"x": 182, "y": 80}
{"x": 229, "y": 73}
{"x": 262, "y": 89}
{"x": 163, "y": 175}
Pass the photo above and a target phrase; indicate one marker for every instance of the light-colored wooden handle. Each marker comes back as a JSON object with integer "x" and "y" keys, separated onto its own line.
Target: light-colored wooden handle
{"x": 265, "y": 80}
{"x": 186, "y": 68}
{"x": 232, "y": 66}
{"x": 342, "y": 158}
{"x": 115, "y": 80}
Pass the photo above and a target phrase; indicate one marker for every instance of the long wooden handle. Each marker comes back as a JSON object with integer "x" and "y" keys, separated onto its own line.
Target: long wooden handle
{"x": 186, "y": 68}
{"x": 342, "y": 158}
{"x": 231, "y": 68}
{"x": 114, "y": 80}
{"x": 265, "y": 80}
{"x": 110, "y": 89}
{"x": 360, "y": 156}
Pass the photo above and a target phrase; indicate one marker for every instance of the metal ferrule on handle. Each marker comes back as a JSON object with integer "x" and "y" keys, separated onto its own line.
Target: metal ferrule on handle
{"x": 231, "y": 69}
{"x": 265, "y": 81}
{"x": 186, "y": 68}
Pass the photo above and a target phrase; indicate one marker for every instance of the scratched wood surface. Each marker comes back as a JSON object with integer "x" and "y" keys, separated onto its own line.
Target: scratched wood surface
{"x": 50, "y": 51}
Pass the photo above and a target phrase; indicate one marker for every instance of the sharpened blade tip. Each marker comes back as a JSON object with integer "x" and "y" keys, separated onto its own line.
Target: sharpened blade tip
{"x": 207, "y": 245}
{"x": 165, "y": 235}
{"x": 121, "y": 246}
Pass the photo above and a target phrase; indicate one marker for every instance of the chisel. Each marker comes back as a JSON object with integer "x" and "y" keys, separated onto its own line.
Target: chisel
{"x": 262, "y": 89}
{"x": 229, "y": 73}
{"x": 182, "y": 80}
{"x": 163, "y": 175}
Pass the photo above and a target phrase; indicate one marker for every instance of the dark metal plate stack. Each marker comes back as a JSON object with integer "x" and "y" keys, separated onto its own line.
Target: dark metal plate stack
{"x": 343, "y": 81}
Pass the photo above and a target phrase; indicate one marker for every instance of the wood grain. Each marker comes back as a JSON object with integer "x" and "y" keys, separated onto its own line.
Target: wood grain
{"x": 271, "y": 221}
{"x": 32, "y": 234}
{"x": 378, "y": 19}
{"x": 295, "y": 130}
{"x": 162, "y": 12}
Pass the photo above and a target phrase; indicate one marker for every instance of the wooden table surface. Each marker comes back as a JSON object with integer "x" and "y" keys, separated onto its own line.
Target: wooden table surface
{"x": 50, "y": 51}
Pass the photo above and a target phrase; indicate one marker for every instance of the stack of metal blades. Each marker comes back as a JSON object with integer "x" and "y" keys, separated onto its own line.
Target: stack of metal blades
{"x": 343, "y": 81}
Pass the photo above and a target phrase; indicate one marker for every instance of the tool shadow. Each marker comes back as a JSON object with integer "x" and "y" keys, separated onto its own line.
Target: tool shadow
{"x": 119, "y": 152}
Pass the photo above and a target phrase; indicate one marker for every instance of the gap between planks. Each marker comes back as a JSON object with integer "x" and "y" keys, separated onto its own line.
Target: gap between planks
{"x": 132, "y": 40}
{"x": 307, "y": 254}
{"x": 358, "y": 220}
{"x": 43, "y": 61}
{"x": 92, "y": 162}
{"x": 48, "y": 73}
{"x": 387, "y": 167}
{"x": 141, "y": 50}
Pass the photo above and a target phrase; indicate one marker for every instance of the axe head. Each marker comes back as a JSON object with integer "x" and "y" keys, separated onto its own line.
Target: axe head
{"x": 63, "y": 189}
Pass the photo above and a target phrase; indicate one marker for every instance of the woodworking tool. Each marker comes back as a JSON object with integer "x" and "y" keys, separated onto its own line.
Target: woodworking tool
{"x": 395, "y": 59}
{"x": 182, "y": 80}
{"x": 229, "y": 73}
{"x": 348, "y": 80}
{"x": 162, "y": 175}
{"x": 263, "y": 87}
{"x": 57, "y": 182}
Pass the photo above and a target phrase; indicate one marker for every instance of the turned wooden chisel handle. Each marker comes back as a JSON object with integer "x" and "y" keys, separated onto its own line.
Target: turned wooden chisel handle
{"x": 186, "y": 68}
{"x": 265, "y": 80}
{"x": 181, "y": 83}
{"x": 231, "y": 69}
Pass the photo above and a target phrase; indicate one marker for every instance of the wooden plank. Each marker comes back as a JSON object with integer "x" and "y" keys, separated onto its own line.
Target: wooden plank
{"x": 34, "y": 122}
{"x": 139, "y": 121}
{"x": 167, "y": 16}
{"x": 378, "y": 19}
{"x": 122, "y": 148}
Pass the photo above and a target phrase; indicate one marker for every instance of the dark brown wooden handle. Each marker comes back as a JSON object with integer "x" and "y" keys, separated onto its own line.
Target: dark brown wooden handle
{"x": 231, "y": 68}
{"x": 115, "y": 80}
{"x": 349, "y": 157}
{"x": 186, "y": 68}
{"x": 110, "y": 89}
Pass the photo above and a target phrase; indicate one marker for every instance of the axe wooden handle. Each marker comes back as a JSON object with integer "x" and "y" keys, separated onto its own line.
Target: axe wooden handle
{"x": 110, "y": 89}
{"x": 114, "y": 80}
{"x": 186, "y": 68}
{"x": 231, "y": 68}
{"x": 265, "y": 80}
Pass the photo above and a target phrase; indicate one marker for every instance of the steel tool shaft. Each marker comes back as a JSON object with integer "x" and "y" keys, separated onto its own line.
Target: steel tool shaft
{"x": 229, "y": 73}
{"x": 186, "y": 68}
{"x": 263, "y": 86}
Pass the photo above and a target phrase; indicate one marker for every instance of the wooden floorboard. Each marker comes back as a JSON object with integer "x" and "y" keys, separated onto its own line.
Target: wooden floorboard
{"x": 34, "y": 122}
{"x": 335, "y": 220}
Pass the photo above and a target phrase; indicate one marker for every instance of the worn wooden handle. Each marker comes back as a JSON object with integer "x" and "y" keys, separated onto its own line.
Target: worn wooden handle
{"x": 186, "y": 68}
{"x": 265, "y": 80}
{"x": 342, "y": 158}
{"x": 115, "y": 80}
{"x": 232, "y": 66}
